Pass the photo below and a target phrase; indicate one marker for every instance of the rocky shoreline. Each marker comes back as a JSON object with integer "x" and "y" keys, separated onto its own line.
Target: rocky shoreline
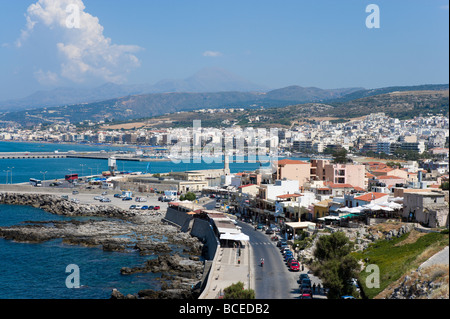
{"x": 172, "y": 253}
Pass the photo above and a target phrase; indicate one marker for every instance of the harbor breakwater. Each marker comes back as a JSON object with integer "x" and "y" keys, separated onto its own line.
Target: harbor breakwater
{"x": 174, "y": 254}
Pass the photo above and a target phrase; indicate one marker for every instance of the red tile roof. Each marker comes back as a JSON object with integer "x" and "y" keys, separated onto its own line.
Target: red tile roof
{"x": 389, "y": 177}
{"x": 370, "y": 196}
{"x": 288, "y": 161}
{"x": 242, "y": 186}
{"x": 289, "y": 195}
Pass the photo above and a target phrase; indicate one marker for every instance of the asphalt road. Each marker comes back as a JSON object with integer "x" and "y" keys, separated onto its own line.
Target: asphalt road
{"x": 273, "y": 280}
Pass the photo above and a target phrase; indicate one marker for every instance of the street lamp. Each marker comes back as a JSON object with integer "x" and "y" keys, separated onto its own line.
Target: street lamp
{"x": 6, "y": 176}
{"x": 43, "y": 182}
{"x": 82, "y": 165}
{"x": 11, "y": 174}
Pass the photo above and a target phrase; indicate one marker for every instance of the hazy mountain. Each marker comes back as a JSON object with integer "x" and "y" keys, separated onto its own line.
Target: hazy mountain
{"x": 308, "y": 94}
{"x": 206, "y": 80}
{"x": 400, "y": 104}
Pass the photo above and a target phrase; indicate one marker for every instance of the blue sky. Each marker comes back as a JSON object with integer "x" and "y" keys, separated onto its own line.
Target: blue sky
{"x": 273, "y": 43}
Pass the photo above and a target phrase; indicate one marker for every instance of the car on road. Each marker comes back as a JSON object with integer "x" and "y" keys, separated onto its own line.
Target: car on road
{"x": 127, "y": 198}
{"x": 98, "y": 197}
{"x": 306, "y": 282}
{"x": 305, "y": 291}
{"x": 286, "y": 252}
{"x": 75, "y": 192}
{"x": 105, "y": 200}
{"x": 269, "y": 231}
{"x": 133, "y": 207}
{"x": 288, "y": 255}
{"x": 303, "y": 276}
{"x": 294, "y": 265}
{"x": 151, "y": 207}
{"x": 145, "y": 207}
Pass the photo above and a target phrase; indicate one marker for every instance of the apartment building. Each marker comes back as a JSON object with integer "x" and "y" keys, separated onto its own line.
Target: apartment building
{"x": 293, "y": 170}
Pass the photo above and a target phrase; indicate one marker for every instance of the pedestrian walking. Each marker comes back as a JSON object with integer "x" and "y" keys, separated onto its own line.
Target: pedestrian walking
{"x": 314, "y": 288}
{"x": 319, "y": 288}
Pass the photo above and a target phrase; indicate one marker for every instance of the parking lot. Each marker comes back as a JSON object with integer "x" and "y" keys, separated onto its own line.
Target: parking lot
{"x": 150, "y": 200}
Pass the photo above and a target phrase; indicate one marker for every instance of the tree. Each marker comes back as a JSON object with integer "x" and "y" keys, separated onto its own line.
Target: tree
{"x": 237, "y": 291}
{"x": 335, "y": 265}
{"x": 340, "y": 156}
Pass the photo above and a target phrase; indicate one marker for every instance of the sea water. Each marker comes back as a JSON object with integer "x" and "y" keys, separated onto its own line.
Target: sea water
{"x": 38, "y": 271}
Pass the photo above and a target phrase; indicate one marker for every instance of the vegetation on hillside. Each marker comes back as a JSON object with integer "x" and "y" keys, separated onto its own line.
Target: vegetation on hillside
{"x": 398, "y": 256}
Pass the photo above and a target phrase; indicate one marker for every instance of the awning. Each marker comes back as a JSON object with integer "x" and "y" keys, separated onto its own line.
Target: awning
{"x": 236, "y": 236}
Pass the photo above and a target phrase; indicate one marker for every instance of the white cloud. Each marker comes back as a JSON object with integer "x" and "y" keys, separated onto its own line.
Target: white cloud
{"x": 212, "y": 54}
{"x": 83, "y": 50}
{"x": 46, "y": 78}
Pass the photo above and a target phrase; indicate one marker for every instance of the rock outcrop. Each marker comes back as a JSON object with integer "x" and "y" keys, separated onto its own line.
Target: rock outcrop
{"x": 60, "y": 206}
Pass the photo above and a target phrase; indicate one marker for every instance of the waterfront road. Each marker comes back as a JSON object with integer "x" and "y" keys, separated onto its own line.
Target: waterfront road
{"x": 273, "y": 280}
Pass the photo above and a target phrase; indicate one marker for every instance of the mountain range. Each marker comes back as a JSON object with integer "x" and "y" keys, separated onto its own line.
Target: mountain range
{"x": 206, "y": 80}
{"x": 208, "y": 88}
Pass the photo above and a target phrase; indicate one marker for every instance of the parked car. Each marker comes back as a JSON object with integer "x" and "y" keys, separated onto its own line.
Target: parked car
{"x": 303, "y": 276}
{"x": 269, "y": 231}
{"x": 305, "y": 296}
{"x": 157, "y": 208}
{"x": 105, "y": 193}
{"x": 145, "y": 207}
{"x": 305, "y": 291}
{"x": 306, "y": 282}
{"x": 105, "y": 200}
{"x": 127, "y": 198}
{"x": 98, "y": 197}
{"x": 75, "y": 192}
{"x": 286, "y": 251}
{"x": 294, "y": 265}
{"x": 117, "y": 195}
{"x": 151, "y": 207}
{"x": 287, "y": 256}
{"x": 288, "y": 262}
{"x": 133, "y": 207}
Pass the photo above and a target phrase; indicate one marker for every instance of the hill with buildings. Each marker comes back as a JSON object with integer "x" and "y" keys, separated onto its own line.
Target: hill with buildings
{"x": 282, "y": 107}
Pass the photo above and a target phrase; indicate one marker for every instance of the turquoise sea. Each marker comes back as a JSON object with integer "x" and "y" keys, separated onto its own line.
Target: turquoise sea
{"x": 24, "y": 169}
{"x": 38, "y": 271}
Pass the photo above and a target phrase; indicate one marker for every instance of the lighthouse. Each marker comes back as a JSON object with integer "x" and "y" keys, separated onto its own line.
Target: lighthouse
{"x": 226, "y": 169}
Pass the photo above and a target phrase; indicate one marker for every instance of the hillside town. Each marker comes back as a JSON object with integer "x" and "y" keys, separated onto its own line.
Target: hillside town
{"x": 294, "y": 190}
{"x": 375, "y": 133}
